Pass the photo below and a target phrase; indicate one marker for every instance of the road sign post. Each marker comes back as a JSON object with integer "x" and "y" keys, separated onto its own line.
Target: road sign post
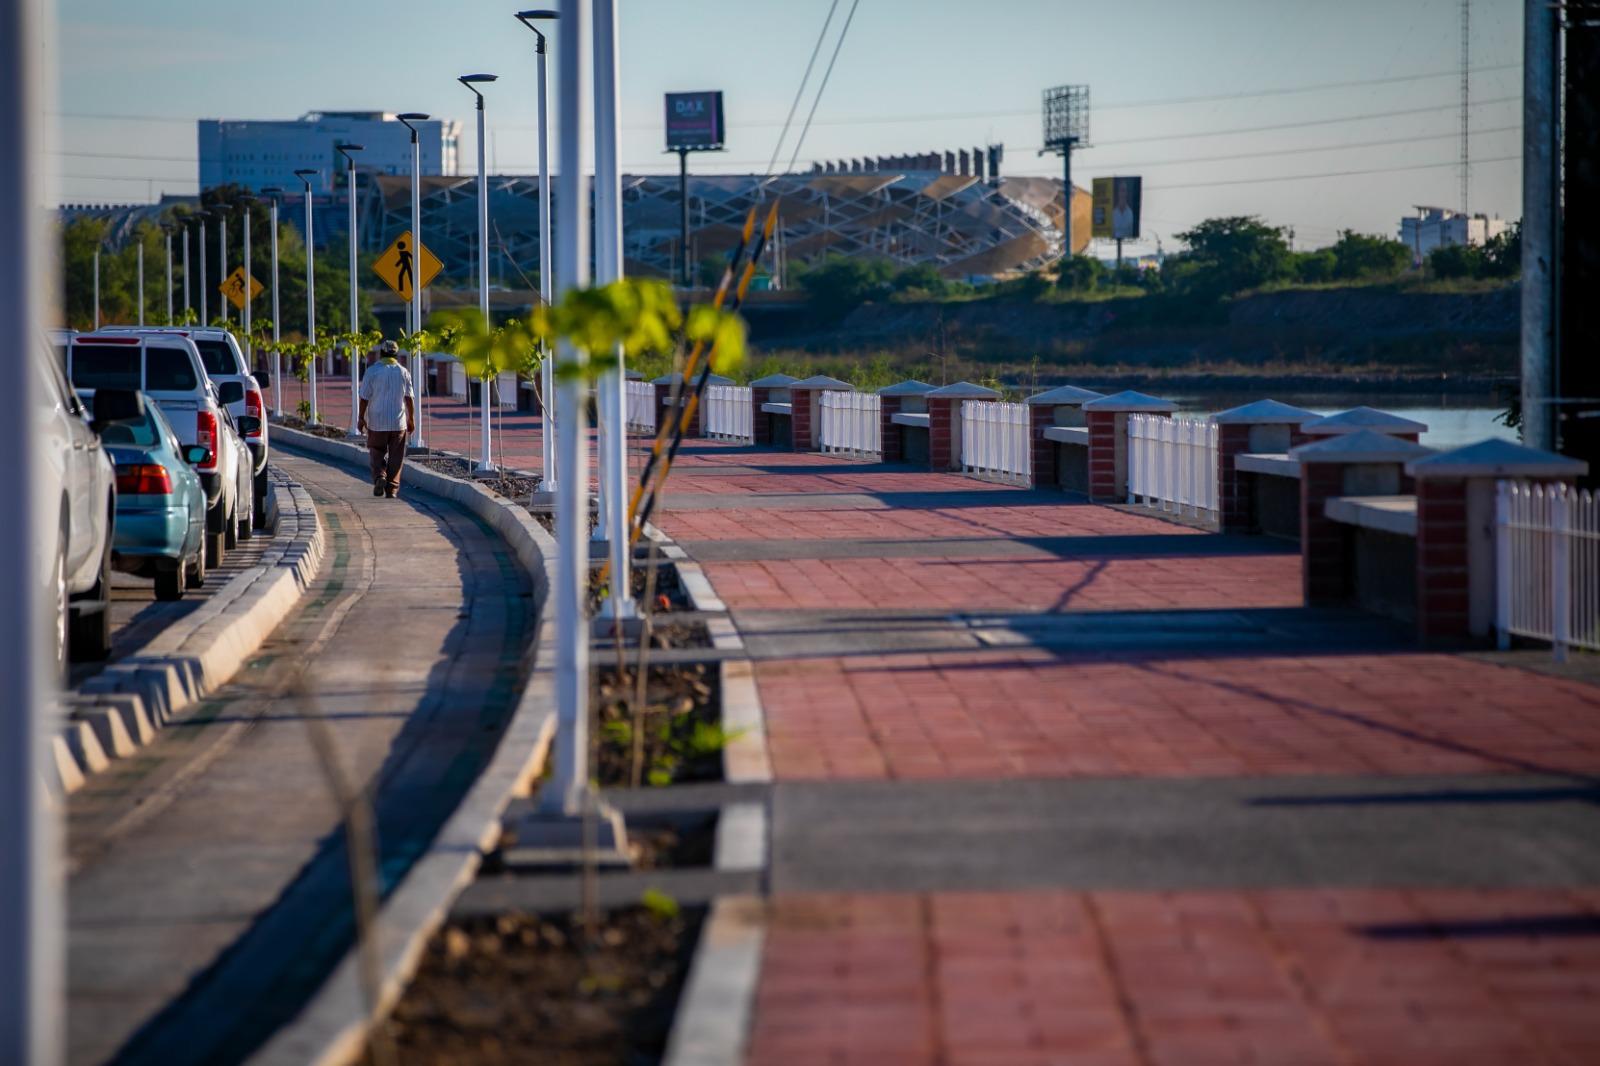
{"x": 404, "y": 263}
{"x": 240, "y": 288}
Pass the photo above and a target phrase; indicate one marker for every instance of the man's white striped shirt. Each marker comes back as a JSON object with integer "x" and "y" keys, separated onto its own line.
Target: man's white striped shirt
{"x": 385, "y": 387}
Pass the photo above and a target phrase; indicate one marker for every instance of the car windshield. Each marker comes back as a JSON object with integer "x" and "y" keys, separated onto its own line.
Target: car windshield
{"x": 217, "y": 356}
{"x": 105, "y": 366}
{"x": 170, "y": 370}
{"x": 139, "y": 432}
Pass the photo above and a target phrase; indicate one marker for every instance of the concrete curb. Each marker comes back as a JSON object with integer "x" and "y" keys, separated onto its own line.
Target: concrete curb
{"x": 120, "y": 709}
{"x": 714, "y": 1014}
{"x": 332, "y": 1029}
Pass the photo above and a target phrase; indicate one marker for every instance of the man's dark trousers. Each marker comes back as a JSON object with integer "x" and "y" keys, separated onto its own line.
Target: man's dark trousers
{"x": 386, "y": 450}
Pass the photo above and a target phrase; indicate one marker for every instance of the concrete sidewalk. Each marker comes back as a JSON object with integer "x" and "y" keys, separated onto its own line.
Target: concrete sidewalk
{"x": 1062, "y": 783}
{"x": 209, "y": 890}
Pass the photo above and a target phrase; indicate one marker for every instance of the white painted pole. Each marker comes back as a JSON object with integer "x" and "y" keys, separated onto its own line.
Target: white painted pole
{"x": 608, "y": 264}
{"x": 201, "y": 246}
{"x": 567, "y": 793}
{"x": 311, "y": 306}
{"x": 547, "y": 431}
{"x": 416, "y": 285}
{"x": 1561, "y": 498}
{"x": 222, "y": 260}
{"x": 139, "y": 254}
{"x": 351, "y": 354}
{"x": 31, "y": 891}
{"x": 168, "y": 235}
{"x": 97, "y": 288}
{"x": 277, "y": 320}
{"x": 485, "y": 461}
{"x": 249, "y": 347}
{"x": 188, "y": 303}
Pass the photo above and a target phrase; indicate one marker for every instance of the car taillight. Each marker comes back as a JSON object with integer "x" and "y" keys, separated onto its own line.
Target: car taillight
{"x": 143, "y": 479}
{"x": 205, "y": 425}
{"x": 253, "y": 408}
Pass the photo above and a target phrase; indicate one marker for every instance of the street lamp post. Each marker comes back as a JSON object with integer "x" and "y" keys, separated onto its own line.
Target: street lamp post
{"x": 416, "y": 271}
{"x": 200, "y": 245}
{"x": 472, "y": 81}
{"x": 244, "y": 315}
{"x": 277, "y": 356}
{"x": 608, "y": 268}
{"x": 222, "y": 260}
{"x": 350, "y": 352}
{"x": 305, "y": 177}
{"x": 547, "y": 441}
{"x": 166, "y": 232}
{"x": 139, "y": 255}
{"x": 97, "y": 287}
{"x": 188, "y": 304}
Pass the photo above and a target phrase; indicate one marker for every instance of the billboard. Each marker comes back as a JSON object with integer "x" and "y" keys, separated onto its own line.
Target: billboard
{"x": 1116, "y": 208}
{"x": 694, "y": 121}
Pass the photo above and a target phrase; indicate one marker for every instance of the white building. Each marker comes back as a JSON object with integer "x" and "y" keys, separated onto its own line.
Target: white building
{"x": 259, "y": 155}
{"x": 1434, "y": 227}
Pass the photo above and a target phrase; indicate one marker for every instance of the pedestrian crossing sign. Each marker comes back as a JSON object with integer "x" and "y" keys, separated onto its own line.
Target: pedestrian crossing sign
{"x": 405, "y": 263}
{"x": 240, "y": 287}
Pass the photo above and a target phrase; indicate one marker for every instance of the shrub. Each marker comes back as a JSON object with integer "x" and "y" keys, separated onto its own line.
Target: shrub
{"x": 837, "y": 285}
{"x": 1455, "y": 261}
{"x": 1357, "y": 255}
{"x": 1081, "y": 273}
{"x": 1312, "y": 267}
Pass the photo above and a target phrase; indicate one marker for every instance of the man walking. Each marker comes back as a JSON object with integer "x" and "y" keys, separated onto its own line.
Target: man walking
{"x": 387, "y": 417}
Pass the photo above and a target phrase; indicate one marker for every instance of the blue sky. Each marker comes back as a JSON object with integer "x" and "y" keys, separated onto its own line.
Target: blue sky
{"x": 913, "y": 75}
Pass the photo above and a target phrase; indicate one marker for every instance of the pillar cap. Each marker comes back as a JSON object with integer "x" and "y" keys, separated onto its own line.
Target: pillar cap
{"x": 1361, "y": 419}
{"x": 909, "y": 387}
{"x": 1065, "y": 396}
{"x": 676, "y": 378}
{"x": 1130, "y": 401}
{"x": 632, "y": 375}
{"x": 824, "y": 383}
{"x": 1360, "y": 446}
{"x": 963, "y": 390}
{"x": 1264, "y": 413}
{"x": 1496, "y": 458}
{"x": 774, "y": 381}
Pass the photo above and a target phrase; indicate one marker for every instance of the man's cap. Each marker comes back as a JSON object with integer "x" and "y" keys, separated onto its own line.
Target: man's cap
{"x": 388, "y": 348}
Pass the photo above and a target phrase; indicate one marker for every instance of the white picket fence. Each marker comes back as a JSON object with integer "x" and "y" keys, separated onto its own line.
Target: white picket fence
{"x": 1547, "y": 560}
{"x": 727, "y": 413}
{"x": 641, "y": 406}
{"x": 851, "y": 424}
{"x": 1172, "y": 464}
{"x": 994, "y": 441}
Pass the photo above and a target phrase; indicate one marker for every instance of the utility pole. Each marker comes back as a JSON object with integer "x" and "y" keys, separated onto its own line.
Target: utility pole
{"x": 1466, "y": 108}
{"x": 1541, "y": 161}
{"x": 139, "y": 254}
{"x": 97, "y": 287}
{"x": 683, "y": 213}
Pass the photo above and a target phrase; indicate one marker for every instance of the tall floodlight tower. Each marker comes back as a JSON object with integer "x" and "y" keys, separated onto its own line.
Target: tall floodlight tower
{"x": 1066, "y": 129}
{"x": 1466, "y": 106}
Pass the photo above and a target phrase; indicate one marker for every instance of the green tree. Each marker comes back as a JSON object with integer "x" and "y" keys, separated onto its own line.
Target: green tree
{"x": 837, "y": 285}
{"x": 1317, "y": 266}
{"x": 1502, "y": 256}
{"x": 1081, "y": 273}
{"x": 921, "y": 278}
{"x": 1229, "y": 255}
{"x": 1356, "y": 255}
{"x": 1455, "y": 261}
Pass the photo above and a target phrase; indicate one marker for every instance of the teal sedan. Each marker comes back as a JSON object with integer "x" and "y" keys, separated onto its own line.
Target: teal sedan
{"x": 161, "y": 505}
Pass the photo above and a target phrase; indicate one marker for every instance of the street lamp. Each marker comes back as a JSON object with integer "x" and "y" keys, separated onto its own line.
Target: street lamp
{"x": 472, "y": 81}
{"x": 222, "y": 259}
{"x": 416, "y": 270}
{"x": 350, "y": 352}
{"x": 97, "y": 286}
{"x": 200, "y": 244}
{"x": 246, "y": 202}
{"x": 139, "y": 255}
{"x": 305, "y": 177}
{"x": 547, "y": 363}
{"x": 166, "y": 232}
{"x": 273, "y": 192}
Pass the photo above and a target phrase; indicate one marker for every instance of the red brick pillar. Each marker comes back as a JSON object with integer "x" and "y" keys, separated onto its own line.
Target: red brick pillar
{"x": 760, "y": 421}
{"x": 888, "y": 430}
{"x": 803, "y": 434}
{"x": 1443, "y": 577}
{"x": 1041, "y": 418}
{"x": 942, "y": 412}
{"x": 1104, "y": 486}
{"x": 1324, "y": 543}
{"x": 1235, "y": 488}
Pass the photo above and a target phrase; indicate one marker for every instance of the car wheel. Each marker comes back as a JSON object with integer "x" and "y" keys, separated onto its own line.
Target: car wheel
{"x": 90, "y": 636}
{"x": 230, "y": 533}
{"x": 261, "y": 490}
{"x": 247, "y": 524}
{"x": 194, "y": 574}
{"x": 170, "y": 583}
{"x": 216, "y": 523}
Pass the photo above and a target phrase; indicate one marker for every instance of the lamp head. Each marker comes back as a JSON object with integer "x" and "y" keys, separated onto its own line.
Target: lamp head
{"x": 345, "y": 148}
{"x": 472, "y": 81}
{"x": 305, "y": 177}
{"x": 407, "y": 118}
{"x": 528, "y": 18}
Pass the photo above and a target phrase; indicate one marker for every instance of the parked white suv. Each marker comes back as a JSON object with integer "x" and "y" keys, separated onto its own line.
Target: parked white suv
{"x": 166, "y": 367}
{"x": 224, "y": 362}
{"x": 77, "y": 519}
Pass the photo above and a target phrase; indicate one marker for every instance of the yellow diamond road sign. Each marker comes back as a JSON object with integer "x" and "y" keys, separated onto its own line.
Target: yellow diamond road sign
{"x": 239, "y": 287}
{"x": 401, "y": 265}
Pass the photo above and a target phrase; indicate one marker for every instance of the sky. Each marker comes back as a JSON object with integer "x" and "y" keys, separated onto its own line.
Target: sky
{"x": 1317, "y": 116}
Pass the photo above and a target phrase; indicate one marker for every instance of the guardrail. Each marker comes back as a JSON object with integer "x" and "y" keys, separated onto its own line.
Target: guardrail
{"x": 1547, "y": 562}
{"x": 641, "y": 406}
{"x": 994, "y": 441}
{"x": 851, "y": 423}
{"x": 1172, "y": 464}
{"x": 728, "y": 413}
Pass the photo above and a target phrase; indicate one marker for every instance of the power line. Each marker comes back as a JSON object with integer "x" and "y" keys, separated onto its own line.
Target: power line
{"x": 1328, "y": 174}
{"x": 823, "y": 85}
{"x": 1347, "y": 146}
{"x": 800, "y": 91}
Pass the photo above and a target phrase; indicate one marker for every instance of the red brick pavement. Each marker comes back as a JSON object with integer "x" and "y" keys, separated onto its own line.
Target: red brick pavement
{"x": 1283, "y": 977}
{"x": 1030, "y": 713}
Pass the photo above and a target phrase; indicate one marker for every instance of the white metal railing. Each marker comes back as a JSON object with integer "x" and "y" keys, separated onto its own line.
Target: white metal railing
{"x": 1547, "y": 565}
{"x": 994, "y": 441}
{"x": 1172, "y": 464}
{"x": 850, "y": 423}
{"x": 641, "y": 406}
{"x": 728, "y": 415}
